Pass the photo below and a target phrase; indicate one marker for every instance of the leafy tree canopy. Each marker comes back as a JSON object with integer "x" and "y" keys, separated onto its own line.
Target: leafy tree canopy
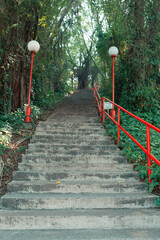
{"x": 75, "y": 36}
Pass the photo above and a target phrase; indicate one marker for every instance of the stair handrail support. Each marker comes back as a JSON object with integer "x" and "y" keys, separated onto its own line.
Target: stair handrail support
{"x": 149, "y": 126}
{"x": 98, "y": 100}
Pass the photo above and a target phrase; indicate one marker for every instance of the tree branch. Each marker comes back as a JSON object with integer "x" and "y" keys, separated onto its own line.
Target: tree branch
{"x": 89, "y": 53}
{"x": 64, "y": 13}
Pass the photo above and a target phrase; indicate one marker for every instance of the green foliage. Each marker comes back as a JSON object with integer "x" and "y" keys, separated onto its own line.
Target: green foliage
{"x": 45, "y": 101}
{"x": 22, "y": 149}
{"x": 135, "y": 31}
{"x": 143, "y": 171}
{"x": 49, "y": 100}
{"x": 2, "y": 147}
{"x": 12, "y": 122}
{"x": 158, "y": 202}
{"x": 5, "y": 133}
{"x": 155, "y": 176}
{"x": 45, "y": 21}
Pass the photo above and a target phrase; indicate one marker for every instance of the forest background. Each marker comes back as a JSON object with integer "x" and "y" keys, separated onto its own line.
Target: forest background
{"x": 75, "y": 36}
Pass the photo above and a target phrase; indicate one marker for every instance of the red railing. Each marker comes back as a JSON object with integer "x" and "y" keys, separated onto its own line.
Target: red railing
{"x": 101, "y": 111}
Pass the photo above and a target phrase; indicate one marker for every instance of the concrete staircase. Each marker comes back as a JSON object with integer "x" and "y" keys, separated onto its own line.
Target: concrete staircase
{"x": 74, "y": 183}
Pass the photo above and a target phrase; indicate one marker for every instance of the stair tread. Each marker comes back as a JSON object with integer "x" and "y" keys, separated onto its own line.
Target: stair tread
{"x": 78, "y": 195}
{"x": 125, "y": 234}
{"x": 82, "y": 182}
{"x": 81, "y": 172}
{"x": 83, "y": 212}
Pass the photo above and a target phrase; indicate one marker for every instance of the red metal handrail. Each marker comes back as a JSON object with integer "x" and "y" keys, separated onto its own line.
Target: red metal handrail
{"x": 98, "y": 100}
{"x": 103, "y": 114}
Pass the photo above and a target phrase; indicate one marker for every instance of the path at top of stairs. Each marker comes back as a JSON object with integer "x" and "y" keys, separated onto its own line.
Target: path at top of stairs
{"x": 74, "y": 183}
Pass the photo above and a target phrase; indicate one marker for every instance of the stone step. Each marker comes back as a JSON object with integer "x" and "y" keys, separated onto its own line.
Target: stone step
{"x": 85, "y": 111}
{"x": 77, "y": 201}
{"x": 63, "y": 234}
{"x": 69, "y": 125}
{"x": 70, "y": 108}
{"x": 76, "y": 109}
{"x": 76, "y": 187}
{"x": 70, "y": 149}
{"x": 70, "y": 133}
{"x": 73, "y": 138}
{"x": 74, "y": 167}
{"x": 75, "y": 141}
{"x": 78, "y": 176}
{"x": 42, "y": 158}
{"x": 68, "y": 111}
{"x": 73, "y": 145}
{"x": 88, "y": 123}
{"x": 76, "y": 119}
{"x": 114, "y": 219}
{"x": 70, "y": 130}
{"x": 67, "y": 129}
{"x": 110, "y": 149}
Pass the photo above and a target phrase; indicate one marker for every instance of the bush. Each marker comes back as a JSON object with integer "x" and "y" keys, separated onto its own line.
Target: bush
{"x": 12, "y": 122}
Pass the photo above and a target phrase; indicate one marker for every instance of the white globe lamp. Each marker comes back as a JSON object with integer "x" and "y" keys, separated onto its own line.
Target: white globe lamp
{"x": 113, "y": 51}
{"x": 33, "y": 46}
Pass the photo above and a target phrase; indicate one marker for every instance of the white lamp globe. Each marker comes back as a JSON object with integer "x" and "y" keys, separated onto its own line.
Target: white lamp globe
{"x": 33, "y": 46}
{"x": 113, "y": 51}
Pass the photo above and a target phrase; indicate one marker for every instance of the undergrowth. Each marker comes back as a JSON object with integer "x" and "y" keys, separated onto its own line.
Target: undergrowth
{"x": 12, "y": 130}
{"x": 15, "y": 136}
{"x": 12, "y": 122}
{"x": 51, "y": 99}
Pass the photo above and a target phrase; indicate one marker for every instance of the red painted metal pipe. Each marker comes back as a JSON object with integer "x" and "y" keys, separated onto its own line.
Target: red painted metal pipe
{"x": 134, "y": 140}
{"x": 113, "y": 112}
{"x": 118, "y": 128}
{"x": 148, "y": 126}
{"x": 134, "y": 116}
{"x": 149, "y": 151}
{"x": 103, "y": 111}
{"x": 100, "y": 110}
{"x": 28, "y": 109}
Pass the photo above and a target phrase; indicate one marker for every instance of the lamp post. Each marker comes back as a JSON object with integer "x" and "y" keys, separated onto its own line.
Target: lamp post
{"x": 33, "y": 47}
{"x": 113, "y": 52}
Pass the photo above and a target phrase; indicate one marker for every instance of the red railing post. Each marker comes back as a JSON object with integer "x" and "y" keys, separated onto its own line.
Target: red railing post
{"x": 95, "y": 92}
{"x": 95, "y": 95}
{"x": 118, "y": 128}
{"x": 148, "y": 151}
{"x": 100, "y": 110}
{"x": 103, "y": 112}
{"x": 97, "y": 104}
